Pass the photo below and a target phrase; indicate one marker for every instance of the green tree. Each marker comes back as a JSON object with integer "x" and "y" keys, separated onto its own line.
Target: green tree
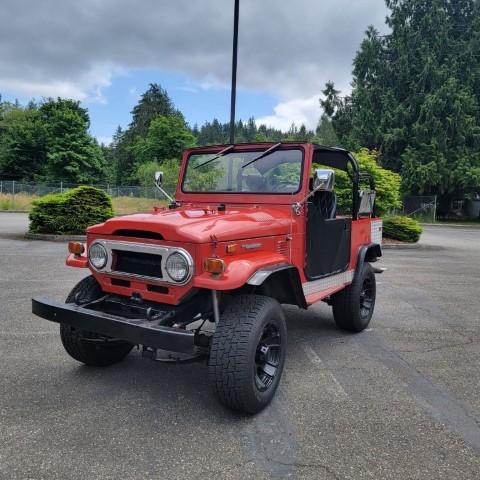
{"x": 22, "y": 143}
{"x": 325, "y": 134}
{"x": 73, "y": 156}
{"x": 167, "y": 137}
{"x": 416, "y": 96}
{"x": 331, "y": 101}
{"x": 153, "y": 103}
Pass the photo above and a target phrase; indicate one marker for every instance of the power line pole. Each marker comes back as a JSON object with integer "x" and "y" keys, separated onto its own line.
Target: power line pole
{"x": 234, "y": 71}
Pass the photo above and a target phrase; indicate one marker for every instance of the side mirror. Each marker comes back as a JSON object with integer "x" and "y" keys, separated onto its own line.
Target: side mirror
{"x": 324, "y": 180}
{"x": 158, "y": 178}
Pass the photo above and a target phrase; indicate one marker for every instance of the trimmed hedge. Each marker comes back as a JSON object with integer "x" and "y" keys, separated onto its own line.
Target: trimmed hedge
{"x": 70, "y": 212}
{"x": 405, "y": 229}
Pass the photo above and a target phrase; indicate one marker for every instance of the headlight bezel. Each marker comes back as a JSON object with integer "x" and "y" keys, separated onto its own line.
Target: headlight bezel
{"x": 101, "y": 247}
{"x": 187, "y": 259}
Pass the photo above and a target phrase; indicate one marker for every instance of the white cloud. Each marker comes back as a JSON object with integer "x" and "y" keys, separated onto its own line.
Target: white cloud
{"x": 44, "y": 89}
{"x": 87, "y": 87}
{"x": 288, "y": 49}
{"x": 300, "y": 111}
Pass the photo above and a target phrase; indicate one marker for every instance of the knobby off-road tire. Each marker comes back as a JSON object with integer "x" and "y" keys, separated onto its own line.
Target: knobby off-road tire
{"x": 75, "y": 340}
{"x": 353, "y": 306}
{"x": 248, "y": 352}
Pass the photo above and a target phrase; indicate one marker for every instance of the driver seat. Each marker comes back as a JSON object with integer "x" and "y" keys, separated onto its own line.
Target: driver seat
{"x": 326, "y": 202}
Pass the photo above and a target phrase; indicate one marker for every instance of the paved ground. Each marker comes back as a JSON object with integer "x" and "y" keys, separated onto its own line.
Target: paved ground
{"x": 400, "y": 401}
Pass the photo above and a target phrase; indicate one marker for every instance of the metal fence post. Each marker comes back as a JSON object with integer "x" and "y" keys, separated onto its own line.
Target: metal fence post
{"x": 13, "y": 195}
{"x": 435, "y": 210}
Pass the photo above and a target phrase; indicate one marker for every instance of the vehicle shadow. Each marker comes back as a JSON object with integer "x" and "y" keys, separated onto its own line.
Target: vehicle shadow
{"x": 158, "y": 385}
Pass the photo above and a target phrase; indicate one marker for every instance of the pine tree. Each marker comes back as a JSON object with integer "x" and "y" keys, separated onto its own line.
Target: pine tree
{"x": 153, "y": 103}
{"x": 73, "y": 156}
{"x": 416, "y": 96}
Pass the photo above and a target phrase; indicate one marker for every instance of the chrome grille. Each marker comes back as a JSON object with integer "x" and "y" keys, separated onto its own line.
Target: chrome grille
{"x": 137, "y": 263}
{"x": 141, "y": 260}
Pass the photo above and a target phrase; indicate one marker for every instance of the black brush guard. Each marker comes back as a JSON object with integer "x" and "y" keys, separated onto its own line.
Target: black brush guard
{"x": 137, "y": 324}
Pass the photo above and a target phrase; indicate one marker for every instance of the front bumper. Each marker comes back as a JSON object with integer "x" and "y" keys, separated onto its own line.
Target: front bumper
{"x": 139, "y": 331}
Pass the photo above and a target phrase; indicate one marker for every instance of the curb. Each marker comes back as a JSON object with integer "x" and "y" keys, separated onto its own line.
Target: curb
{"x": 401, "y": 246}
{"x": 14, "y": 211}
{"x": 474, "y": 226}
{"x": 55, "y": 238}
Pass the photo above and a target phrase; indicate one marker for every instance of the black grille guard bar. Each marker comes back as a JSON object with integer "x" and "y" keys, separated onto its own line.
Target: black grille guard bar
{"x": 137, "y": 331}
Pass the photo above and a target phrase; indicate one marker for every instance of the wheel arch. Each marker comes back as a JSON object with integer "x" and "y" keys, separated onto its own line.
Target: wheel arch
{"x": 368, "y": 253}
{"x": 281, "y": 282}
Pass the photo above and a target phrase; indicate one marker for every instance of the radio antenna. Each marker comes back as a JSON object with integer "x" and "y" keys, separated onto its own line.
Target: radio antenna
{"x": 234, "y": 72}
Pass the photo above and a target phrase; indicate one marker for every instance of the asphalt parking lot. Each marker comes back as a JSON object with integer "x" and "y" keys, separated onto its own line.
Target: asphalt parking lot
{"x": 399, "y": 401}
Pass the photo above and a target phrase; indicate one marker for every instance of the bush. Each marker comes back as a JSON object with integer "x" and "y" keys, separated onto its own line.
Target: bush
{"x": 70, "y": 212}
{"x": 387, "y": 184}
{"x": 405, "y": 229}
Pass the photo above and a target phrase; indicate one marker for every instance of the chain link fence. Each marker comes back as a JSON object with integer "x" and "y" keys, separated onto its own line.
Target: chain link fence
{"x": 12, "y": 187}
{"x": 19, "y": 195}
{"x": 422, "y": 208}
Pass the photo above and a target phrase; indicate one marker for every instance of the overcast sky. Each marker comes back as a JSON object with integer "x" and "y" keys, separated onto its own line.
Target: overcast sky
{"x": 105, "y": 52}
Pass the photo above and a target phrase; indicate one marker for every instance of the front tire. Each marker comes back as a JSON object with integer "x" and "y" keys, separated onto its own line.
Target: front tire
{"x": 88, "y": 347}
{"x": 248, "y": 353}
{"x": 353, "y": 306}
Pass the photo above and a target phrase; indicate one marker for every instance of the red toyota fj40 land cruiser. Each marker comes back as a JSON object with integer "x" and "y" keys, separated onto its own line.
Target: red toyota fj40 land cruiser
{"x": 250, "y": 228}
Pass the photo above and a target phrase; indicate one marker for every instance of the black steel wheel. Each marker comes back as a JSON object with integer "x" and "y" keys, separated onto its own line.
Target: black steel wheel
{"x": 88, "y": 347}
{"x": 267, "y": 357}
{"x": 367, "y": 298}
{"x": 353, "y": 306}
{"x": 248, "y": 352}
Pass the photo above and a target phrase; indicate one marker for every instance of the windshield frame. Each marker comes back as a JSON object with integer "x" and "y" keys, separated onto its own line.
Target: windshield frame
{"x": 242, "y": 148}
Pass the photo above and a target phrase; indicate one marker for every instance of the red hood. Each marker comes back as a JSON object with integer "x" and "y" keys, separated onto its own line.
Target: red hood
{"x": 196, "y": 224}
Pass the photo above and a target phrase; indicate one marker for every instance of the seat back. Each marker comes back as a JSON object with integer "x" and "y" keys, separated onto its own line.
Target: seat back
{"x": 326, "y": 203}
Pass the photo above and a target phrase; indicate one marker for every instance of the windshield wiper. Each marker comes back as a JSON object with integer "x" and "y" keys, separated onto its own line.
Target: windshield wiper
{"x": 263, "y": 154}
{"x": 218, "y": 155}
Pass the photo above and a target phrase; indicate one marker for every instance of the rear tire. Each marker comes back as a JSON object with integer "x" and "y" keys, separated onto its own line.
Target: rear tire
{"x": 353, "y": 306}
{"x": 102, "y": 351}
{"x": 248, "y": 353}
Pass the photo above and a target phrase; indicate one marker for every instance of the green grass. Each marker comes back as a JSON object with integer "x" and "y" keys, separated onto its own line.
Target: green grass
{"x": 122, "y": 205}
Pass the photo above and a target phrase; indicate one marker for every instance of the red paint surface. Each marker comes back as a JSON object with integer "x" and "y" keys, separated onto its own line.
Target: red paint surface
{"x": 264, "y": 220}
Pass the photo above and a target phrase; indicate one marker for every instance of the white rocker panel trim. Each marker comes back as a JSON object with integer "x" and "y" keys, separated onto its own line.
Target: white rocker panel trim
{"x": 328, "y": 282}
{"x": 376, "y": 231}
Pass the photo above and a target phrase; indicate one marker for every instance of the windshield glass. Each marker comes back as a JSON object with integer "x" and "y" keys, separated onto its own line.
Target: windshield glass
{"x": 277, "y": 172}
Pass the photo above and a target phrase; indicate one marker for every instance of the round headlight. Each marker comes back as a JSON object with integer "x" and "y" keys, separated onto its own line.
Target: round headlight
{"x": 177, "y": 267}
{"x": 98, "y": 256}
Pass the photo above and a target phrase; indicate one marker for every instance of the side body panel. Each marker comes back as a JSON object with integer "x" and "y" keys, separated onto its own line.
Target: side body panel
{"x": 364, "y": 232}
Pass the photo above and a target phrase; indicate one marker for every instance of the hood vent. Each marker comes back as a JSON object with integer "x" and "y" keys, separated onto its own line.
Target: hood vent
{"x": 138, "y": 234}
{"x": 282, "y": 247}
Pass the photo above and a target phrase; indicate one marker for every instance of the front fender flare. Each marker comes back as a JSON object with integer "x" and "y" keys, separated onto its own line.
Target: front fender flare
{"x": 281, "y": 282}
{"x": 239, "y": 270}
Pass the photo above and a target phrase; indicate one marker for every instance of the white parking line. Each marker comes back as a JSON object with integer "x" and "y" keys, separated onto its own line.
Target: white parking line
{"x": 333, "y": 384}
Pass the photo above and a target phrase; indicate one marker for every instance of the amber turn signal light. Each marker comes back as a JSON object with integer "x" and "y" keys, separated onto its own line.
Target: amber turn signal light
{"x": 232, "y": 248}
{"x": 214, "y": 265}
{"x": 76, "y": 248}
